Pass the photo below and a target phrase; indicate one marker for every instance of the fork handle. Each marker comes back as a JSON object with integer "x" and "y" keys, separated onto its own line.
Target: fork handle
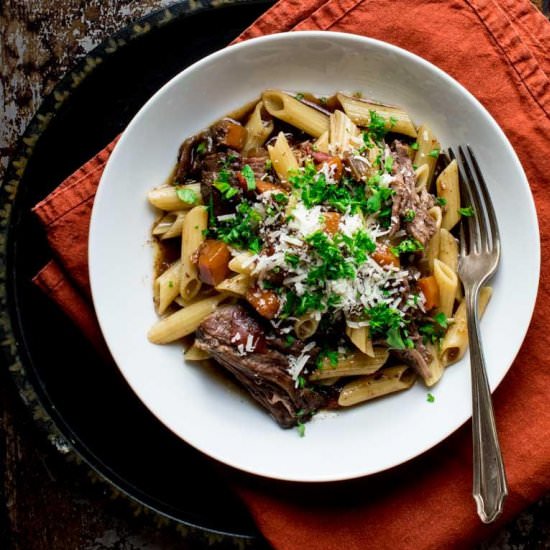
{"x": 489, "y": 487}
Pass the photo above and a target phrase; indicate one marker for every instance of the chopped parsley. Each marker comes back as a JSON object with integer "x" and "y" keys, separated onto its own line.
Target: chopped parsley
{"x": 241, "y": 231}
{"x": 393, "y": 121}
{"x": 407, "y": 246}
{"x": 170, "y": 284}
{"x": 414, "y": 146}
{"x": 433, "y": 331}
{"x": 301, "y": 427}
{"x": 223, "y": 186}
{"x": 409, "y": 215}
{"x": 292, "y": 259}
{"x": 188, "y": 196}
{"x": 389, "y": 323}
{"x": 440, "y": 201}
{"x": 467, "y": 211}
{"x": 377, "y": 126}
{"x": 268, "y": 165}
{"x": 434, "y": 153}
{"x": 249, "y": 176}
{"x": 299, "y": 96}
{"x": 388, "y": 164}
{"x": 330, "y": 354}
{"x": 201, "y": 148}
{"x": 430, "y": 398}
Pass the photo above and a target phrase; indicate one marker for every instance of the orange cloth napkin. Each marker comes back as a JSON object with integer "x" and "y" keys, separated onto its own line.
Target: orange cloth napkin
{"x": 499, "y": 51}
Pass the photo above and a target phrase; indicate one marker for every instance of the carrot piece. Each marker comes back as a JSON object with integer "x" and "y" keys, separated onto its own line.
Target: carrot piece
{"x": 265, "y": 302}
{"x": 235, "y": 137}
{"x": 384, "y": 256}
{"x": 338, "y": 168}
{"x": 263, "y": 186}
{"x": 332, "y": 220}
{"x": 430, "y": 289}
{"x": 213, "y": 260}
{"x": 334, "y": 163}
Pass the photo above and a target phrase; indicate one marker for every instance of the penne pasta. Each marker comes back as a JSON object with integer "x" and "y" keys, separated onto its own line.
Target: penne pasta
{"x": 361, "y": 339}
{"x": 170, "y": 225}
{"x": 383, "y": 382}
{"x": 238, "y": 284}
{"x": 184, "y": 321}
{"x": 194, "y": 226}
{"x": 321, "y": 143}
{"x": 435, "y": 367}
{"x": 306, "y": 326}
{"x": 360, "y": 112}
{"x": 258, "y": 130}
{"x": 167, "y": 287}
{"x": 352, "y": 364}
{"x": 242, "y": 263}
{"x": 294, "y": 112}
{"x": 342, "y": 132}
{"x": 455, "y": 341}
{"x": 427, "y": 152}
{"x": 448, "y": 188}
{"x": 447, "y": 281}
{"x": 448, "y": 249}
{"x": 169, "y": 197}
{"x": 431, "y": 251}
{"x": 196, "y": 354}
{"x": 421, "y": 174}
{"x": 282, "y": 157}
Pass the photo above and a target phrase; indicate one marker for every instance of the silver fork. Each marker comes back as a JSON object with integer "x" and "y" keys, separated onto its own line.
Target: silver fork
{"x": 478, "y": 260}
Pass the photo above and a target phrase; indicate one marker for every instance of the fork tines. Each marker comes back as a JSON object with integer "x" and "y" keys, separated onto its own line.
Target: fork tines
{"x": 483, "y": 234}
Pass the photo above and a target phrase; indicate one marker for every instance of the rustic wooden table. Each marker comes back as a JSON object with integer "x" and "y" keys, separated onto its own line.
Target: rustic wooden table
{"x": 46, "y": 502}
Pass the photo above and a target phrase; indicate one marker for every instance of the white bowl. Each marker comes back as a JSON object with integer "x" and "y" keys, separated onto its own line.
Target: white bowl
{"x": 220, "y": 420}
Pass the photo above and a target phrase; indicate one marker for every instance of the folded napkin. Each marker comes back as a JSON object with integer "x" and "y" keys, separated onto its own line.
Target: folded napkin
{"x": 498, "y": 50}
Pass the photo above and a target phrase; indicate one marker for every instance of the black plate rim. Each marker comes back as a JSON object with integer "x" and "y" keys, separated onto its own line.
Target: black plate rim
{"x": 15, "y": 357}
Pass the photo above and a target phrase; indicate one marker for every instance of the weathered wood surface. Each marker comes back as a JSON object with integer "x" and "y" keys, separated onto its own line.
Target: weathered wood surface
{"x": 46, "y": 502}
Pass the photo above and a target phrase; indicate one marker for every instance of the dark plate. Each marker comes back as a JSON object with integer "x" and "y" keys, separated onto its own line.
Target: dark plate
{"x": 86, "y": 400}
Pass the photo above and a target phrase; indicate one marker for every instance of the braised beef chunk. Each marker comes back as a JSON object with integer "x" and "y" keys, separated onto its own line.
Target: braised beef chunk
{"x": 410, "y": 208}
{"x": 226, "y": 334}
{"x": 221, "y": 166}
{"x": 418, "y": 357}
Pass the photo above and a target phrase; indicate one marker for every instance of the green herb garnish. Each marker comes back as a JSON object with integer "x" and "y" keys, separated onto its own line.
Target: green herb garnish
{"x": 467, "y": 211}
{"x": 188, "y": 196}
{"x": 407, "y": 246}
{"x": 249, "y": 176}
{"x": 430, "y": 398}
{"x": 434, "y": 153}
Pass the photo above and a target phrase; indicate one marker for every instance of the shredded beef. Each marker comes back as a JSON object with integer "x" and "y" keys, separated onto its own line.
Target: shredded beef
{"x": 263, "y": 372}
{"x": 406, "y": 199}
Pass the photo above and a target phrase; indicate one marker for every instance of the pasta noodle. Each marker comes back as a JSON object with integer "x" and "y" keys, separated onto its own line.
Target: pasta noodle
{"x": 448, "y": 189}
{"x": 296, "y": 113}
{"x": 360, "y": 112}
{"x": 167, "y": 287}
{"x": 455, "y": 342}
{"x": 352, "y": 364}
{"x": 427, "y": 152}
{"x": 282, "y": 157}
{"x": 167, "y": 198}
{"x": 447, "y": 281}
{"x": 194, "y": 225}
{"x": 258, "y": 130}
{"x": 306, "y": 326}
{"x": 184, "y": 321}
{"x": 384, "y": 382}
{"x": 361, "y": 339}
{"x": 238, "y": 284}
